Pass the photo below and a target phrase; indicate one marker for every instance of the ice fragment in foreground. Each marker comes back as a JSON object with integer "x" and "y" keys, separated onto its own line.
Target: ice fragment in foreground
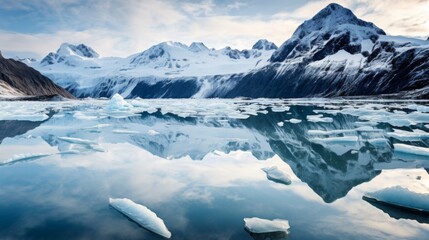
{"x": 259, "y": 225}
{"x": 280, "y": 124}
{"x": 401, "y": 197}
{"x": 141, "y": 215}
{"x": 117, "y": 103}
{"x": 277, "y": 175}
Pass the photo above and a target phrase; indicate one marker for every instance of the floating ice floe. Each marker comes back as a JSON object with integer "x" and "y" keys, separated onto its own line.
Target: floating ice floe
{"x": 123, "y": 131}
{"x": 277, "y": 175}
{"x": 319, "y": 118}
{"x": 24, "y": 157}
{"x": 141, "y": 215}
{"x": 415, "y": 135}
{"x": 293, "y": 120}
{"x": 259, "y": 225}
{"x": 409, "y": 149}
{"x": 152, "y": 132}
{"x": 117, "y": 103}
{"x": 401, "y": 197}
{"x": 280, "y": 124}
{"x": 76, "y": 140}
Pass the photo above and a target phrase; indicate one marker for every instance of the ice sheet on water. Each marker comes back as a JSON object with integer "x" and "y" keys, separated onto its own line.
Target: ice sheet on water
{"x": 141, "y": 215}
{"x": 410, "y": 149}
{"x": 275, "y": 174}
{"x": 259, "y": 225}
{"x": 401, "y": 197}
{"x": 24, "y": 157}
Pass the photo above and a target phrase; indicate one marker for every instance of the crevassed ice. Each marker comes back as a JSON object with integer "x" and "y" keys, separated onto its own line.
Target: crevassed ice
{"x": 259, "y": 225}
{"x": 141, "y": 215}
{"x": 402, "y": 197}
{"x": 277, "y": 175}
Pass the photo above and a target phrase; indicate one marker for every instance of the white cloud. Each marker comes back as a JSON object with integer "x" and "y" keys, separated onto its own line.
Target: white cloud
{"x": 117, "y": 28}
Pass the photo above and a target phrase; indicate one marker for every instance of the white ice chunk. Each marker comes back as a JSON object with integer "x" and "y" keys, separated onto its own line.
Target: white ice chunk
{"x": 141, "y": 215}
{"x": 152, "y": 132}
{"x": 280, "y": 124}
{"x": 24, "y": 157}
{"x": 124, "y": 131}
{"x": 409, "y": 149}
{"x": 401, "y": 197}
{"x": 117, "y": 103}
{"x": 408, "y": 136}
{"x": 275, "y": 174}
{"x": 319, "y": 118}
{"x": 259, "y": 225}
{"x": 293, "y": 120}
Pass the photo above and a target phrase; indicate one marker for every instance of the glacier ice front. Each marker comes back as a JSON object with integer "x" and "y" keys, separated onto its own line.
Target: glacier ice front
{"x": 401, "y": 197}
{"x": 275, "y": 174}
{"x": 260, "y": 226}
{"x": 141, "y": 215}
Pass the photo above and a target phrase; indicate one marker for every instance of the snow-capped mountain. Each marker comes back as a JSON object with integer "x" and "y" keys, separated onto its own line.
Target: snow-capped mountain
{"x": 337, "y": 54}
{"x": 332, "y": 54}
{"x": 80, "y": 69}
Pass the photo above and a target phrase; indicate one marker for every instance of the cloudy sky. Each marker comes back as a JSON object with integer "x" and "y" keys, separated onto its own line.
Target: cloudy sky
{"x": 120, "y": 28}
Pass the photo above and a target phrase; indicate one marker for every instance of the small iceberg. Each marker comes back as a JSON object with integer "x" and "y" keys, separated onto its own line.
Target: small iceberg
{"x": 277, "y": 175}
{"x": 117, "y": 103}
{"x": 402, "y": 198}
{"x": 266, "y": 229}
{"x": 141, "y": 215}
{"x": 293, "y": 120}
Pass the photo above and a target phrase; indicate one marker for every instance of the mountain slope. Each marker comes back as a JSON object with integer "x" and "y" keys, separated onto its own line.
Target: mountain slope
{"x": 19, "y": 80}
{"x": 337, "y": 54}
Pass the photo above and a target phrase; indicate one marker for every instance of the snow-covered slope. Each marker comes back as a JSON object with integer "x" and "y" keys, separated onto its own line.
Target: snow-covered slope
{"x": 80, "y": 69}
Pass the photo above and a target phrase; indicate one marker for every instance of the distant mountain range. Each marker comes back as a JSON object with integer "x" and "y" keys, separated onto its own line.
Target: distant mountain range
{"x": 332, "y": 54}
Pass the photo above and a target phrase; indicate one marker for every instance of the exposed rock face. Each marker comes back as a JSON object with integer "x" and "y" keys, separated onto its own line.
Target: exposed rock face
{"x": 17, "y": 79}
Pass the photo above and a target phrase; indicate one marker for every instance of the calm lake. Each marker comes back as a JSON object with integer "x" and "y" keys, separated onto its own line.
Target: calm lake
{"x": 198, "y": 165}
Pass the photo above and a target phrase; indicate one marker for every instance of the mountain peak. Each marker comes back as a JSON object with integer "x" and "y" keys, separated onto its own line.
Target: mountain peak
{"x": 332, "y": 17}
{"x": 67, "y": 49}
{"x": 198, "y": 47}
{"x": 332, "y": 29}
{"x": 264, "y": 44}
